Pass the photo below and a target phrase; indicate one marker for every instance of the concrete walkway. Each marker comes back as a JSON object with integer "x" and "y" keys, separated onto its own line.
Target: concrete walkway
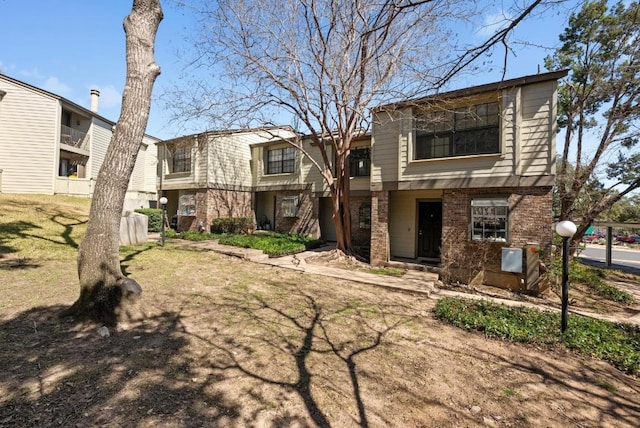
{"x": 419, "y": 282}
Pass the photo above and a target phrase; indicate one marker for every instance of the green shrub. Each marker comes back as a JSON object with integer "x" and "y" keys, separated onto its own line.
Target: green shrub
{"x": 155, "y": 218}
{"x": 273, "y": 244}
{"x": 196, "y": 236}
{"x": 618, "y": 344}
{"x": 593, "y": 278}
{"x": 235, "y": 225}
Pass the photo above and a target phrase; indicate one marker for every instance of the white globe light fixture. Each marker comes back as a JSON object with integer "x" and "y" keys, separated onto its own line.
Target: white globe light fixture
{"x": 566, "y": 229}
{"x": 163, "y": 201}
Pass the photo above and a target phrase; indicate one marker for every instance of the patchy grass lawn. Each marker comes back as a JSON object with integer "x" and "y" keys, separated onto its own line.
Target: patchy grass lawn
{"x": 231, "y": 343}
{"x": 617, "y": 343}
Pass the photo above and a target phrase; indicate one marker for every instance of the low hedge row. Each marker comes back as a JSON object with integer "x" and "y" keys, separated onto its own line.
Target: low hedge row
{"x": 155, "y": 218}
{"x": 237, "y": 225}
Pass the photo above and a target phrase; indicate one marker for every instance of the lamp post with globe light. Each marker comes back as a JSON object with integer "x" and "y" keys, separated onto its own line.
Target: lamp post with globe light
{"x": 163, "y": 203}
{"x": 566, "y": 229}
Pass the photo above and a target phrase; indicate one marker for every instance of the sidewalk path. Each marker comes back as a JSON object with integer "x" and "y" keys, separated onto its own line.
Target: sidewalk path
{"x": 419, "y": 282}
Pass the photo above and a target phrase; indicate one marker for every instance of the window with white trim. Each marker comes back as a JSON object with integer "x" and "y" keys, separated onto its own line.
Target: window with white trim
{"x": 489, "y": 219}
{"x": 289, "y": 206}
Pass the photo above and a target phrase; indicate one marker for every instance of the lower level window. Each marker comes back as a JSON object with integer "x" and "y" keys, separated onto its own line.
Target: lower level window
{"x": 290, "y": 206}
{"x": 364, "y": 221}
{"x": 489, "y": 219}
{"x": 187, "y": 205}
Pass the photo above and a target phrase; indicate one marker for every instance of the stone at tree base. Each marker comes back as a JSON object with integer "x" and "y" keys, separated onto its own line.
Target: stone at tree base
{"x": 131, "y": 286}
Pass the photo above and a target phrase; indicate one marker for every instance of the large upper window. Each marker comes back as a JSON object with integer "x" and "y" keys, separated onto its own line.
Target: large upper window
{"x": 181, "y": 160}
{"x": 360, "y": 162}
{"x": 280, "y": 161}
{"x": 489, "y": 219}
{"x": 472, "y": 130}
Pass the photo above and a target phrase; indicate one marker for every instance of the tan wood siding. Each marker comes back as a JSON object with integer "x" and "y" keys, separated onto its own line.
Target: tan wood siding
{"x": 180, "y": 180}
{"x": 230, "y": 160}
{"x": 29, "y": 128}
{"x": 464, "y": 167}
{"x": 309, "y": 173}
{"x": 538, "y": 138}
{"x": 384, "y": 147}
{"x": 303, "y": 167}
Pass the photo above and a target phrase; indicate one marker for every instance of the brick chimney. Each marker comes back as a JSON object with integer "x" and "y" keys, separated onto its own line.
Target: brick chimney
{"x": 95, "y": 95}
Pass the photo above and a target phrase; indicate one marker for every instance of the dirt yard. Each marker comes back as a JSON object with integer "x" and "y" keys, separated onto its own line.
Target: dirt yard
{"x": 234, "y": 344}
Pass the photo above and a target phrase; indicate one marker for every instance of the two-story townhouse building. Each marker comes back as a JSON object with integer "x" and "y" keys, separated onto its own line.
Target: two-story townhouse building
{"x": 458, "y": 176}
{"x": 261, "y": 174}
{"x": 50, "y": 145}
{"x": 209, "y": 175}
{"x": 292, "y": 196}
{"x": 452, "y": 179}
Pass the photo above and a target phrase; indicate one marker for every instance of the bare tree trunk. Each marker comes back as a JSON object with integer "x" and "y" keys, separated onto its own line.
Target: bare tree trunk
{"x": 103, "y": 295}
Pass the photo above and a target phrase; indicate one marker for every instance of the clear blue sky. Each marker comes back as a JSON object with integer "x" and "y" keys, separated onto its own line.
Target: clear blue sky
{"x": 71, "y": 46}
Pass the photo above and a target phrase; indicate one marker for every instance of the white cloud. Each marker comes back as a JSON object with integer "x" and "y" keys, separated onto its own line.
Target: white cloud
{"x": 34, "y": 72}
{"x": 53, "y": 84}
{"x": 109, "y": 96}
{"x": 494, "y": 22}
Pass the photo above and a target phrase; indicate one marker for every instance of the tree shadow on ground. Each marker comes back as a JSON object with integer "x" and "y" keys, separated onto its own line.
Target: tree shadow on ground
{"x": 592, "y": 394}
{"x": 59, "y": 373}
{"x": 12, "y": 230}
{"x": 62, "y": 219}
{"x": 131, "y": 255}
{"x": 297, "y": 332}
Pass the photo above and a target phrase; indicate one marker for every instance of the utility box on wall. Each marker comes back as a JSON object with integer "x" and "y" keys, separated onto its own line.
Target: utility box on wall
{"x": 512, "y": 260}
{"x": 532, "y": 263}
{"x": 524, "y": 264}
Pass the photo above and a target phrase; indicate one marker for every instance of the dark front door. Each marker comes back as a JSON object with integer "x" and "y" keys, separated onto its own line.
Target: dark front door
{"x": 429, "y": 229}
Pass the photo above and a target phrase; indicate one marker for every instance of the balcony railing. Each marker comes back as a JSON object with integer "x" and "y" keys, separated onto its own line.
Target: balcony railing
{"x": 73, "y": 137}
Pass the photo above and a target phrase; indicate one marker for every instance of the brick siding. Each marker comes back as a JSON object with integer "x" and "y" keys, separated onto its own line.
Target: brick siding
{"x": 379, "y": 228}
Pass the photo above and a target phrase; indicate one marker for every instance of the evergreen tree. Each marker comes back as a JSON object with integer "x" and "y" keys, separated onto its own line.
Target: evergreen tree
{"x": 598, "y": 109}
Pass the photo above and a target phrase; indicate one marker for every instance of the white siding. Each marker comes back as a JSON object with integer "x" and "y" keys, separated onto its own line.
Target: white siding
{"x": 150, "y": 165}
{"x": 100, "y": 139}
{"x": 29, "y": 131}
{"x": 136, "y": 182}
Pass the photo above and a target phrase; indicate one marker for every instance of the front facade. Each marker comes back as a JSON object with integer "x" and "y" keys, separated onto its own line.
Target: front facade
{"x": 50, "y": 145}
{"x": 209, "y": 175}
{"x": 460, "y": 177}
{"x": 455, "y": 179}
